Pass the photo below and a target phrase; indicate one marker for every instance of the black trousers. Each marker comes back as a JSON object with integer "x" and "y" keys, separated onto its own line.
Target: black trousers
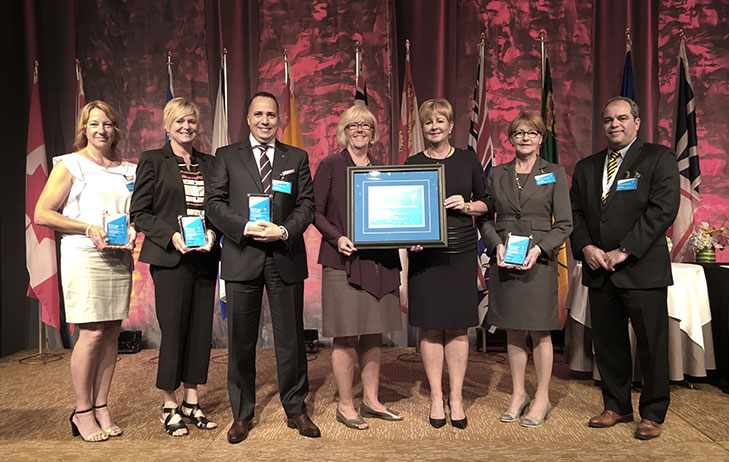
{"x": 184, "y": 297}
{"x": 244, "y": 310}
{"x": 647, "y": 310}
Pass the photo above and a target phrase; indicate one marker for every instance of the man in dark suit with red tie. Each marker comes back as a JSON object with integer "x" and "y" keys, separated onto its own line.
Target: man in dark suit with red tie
{"x": 260, "y": 253}
{"x": 624, "y": 198}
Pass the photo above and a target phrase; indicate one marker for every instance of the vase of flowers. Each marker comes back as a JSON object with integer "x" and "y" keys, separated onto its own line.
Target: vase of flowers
{"x": 706, "y": 240}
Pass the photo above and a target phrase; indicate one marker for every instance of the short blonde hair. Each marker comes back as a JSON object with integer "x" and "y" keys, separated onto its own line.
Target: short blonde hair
{"x": 532, "y": 119}
{"x": 354, "y": 114}
{"x": 176, "y": 108}
{"x": 435, "y": 106}
{"x": 80, "y": 141}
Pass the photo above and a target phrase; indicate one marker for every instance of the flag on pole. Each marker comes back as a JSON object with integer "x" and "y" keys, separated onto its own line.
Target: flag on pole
{"x": 627, "y": 88}
{"x": 40, "y": 242}
{"x": 170, "y": 87}
{"x": 480, "y": 142}
{"x": 221, "y": 137}
{"x": 687, "y": 156}
{"x": 290, "y": 118}
{"x": 410, "y": 142}
{"x": 550, "y": 153}
{"x": 411, "y": 133}
{"x": 360, "y": 86}
{"x": 80, "y": 95}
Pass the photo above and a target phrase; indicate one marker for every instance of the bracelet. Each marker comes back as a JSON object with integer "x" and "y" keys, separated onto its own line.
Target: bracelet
{"x": 87, "y": 229}
{"x": 468, "y": 207}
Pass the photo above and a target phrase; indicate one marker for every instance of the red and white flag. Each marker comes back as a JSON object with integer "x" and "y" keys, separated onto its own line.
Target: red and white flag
{"x": 411, "y": 133}
{"x": 40, "y": 242}
{"x": 80, "y": 95}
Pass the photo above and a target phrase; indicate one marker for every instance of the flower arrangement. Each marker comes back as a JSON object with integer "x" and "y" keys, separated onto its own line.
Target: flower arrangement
{"x": 708, "y": 238}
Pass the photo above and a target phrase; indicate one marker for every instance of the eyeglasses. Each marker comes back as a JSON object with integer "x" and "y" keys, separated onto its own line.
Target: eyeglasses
{"x": 360, "y": 125}
{"x": 519, "y": 135}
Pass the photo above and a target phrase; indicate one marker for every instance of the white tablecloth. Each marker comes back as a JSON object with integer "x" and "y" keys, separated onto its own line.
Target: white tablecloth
{"x": 688, "y": 308}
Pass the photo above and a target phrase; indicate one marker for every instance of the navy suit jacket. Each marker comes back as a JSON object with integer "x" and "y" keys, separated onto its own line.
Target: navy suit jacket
{"x": 636, "y": 220}
{"x": 234, "y": 176}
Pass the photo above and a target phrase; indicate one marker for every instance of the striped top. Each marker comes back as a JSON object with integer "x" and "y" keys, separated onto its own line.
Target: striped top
{"x": 193, "y": 184}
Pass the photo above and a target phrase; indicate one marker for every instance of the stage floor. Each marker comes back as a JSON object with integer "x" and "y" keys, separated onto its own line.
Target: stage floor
{"x": 37, "y": 400}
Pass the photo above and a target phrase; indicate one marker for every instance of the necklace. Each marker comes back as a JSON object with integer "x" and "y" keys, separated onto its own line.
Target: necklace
{"x": 97, "y": 160}
{"x": 451, "y": 150}
{"x": 516, "y": 178}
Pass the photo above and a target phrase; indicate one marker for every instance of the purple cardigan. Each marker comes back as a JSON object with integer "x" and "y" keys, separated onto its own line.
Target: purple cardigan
{"x": 375, "y": 271}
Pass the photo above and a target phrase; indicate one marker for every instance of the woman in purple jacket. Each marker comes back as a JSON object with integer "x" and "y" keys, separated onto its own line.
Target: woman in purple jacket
{"x": 359, "y": 287}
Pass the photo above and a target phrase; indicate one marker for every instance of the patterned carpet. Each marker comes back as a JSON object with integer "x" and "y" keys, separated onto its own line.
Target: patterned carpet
{"x": 37, "y": 400}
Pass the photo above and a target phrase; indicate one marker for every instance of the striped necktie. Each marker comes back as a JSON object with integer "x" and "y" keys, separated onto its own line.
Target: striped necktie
{"x": 264, "y": 168}
{"x": 612, "y": 166}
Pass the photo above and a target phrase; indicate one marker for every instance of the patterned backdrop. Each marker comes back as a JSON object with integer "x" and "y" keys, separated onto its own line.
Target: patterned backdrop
{"x": 123, "y": 48}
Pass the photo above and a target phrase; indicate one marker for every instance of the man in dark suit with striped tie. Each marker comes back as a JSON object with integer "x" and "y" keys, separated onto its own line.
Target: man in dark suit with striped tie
{"x": 624, "y": 198}
{"x": 263, "y": 253}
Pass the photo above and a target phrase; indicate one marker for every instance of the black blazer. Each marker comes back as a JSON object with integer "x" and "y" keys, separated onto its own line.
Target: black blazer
{"x": 158, "y": 199}
{"x": 234, "y": 175}
{"x": 636, "y": 220}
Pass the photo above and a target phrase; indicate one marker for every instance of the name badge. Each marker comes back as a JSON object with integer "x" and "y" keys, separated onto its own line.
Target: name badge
{"x": 130, "y": 186}
{"x": 545, "y": 179}
{"x": 281, "y": 186}
{"x": 259, "y": 207}
{"x": 628, "y": 184}
{"x": 516, "y": 249}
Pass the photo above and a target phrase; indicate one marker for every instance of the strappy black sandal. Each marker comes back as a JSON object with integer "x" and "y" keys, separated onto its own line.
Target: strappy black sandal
{"x": 170, "y": 426}
{"x": 93, "y": 437}
{"x": 201, "y": 421}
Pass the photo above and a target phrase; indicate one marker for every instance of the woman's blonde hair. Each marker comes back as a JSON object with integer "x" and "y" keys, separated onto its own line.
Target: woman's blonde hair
{"x": 176, "y": 108}
{"x": 354, "y": 114}
{"x": 531, "y": 119}
{"x": 435, "y": 106}
{"x": 80, "y": 141}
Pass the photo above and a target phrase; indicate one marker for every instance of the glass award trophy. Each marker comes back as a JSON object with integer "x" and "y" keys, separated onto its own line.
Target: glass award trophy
{"x": 115, "y": 225}
{"x": 192, "y": 229}
{"x": 516, "y": 249}
{"x": 259, "y": 207}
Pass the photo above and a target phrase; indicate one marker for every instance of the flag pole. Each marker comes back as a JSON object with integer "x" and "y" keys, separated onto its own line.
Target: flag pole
{"x": 225, "y": 74}
{"x": 40, "y": 357}
{"x": 542, "y": 36}
{"x": 628, "y": 41}
{"x": 356, "y": 62}
{"x": 286, "y": 67}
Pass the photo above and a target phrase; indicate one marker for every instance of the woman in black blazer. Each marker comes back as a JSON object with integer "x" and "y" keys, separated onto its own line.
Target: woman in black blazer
{"x": 170, "y": 184}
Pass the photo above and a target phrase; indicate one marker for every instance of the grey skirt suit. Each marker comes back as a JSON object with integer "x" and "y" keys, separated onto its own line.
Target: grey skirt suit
{"x": 526, "y": 300}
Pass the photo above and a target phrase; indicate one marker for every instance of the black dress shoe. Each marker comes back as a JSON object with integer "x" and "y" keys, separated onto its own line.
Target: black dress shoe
{"x": 305, "y": 426}
{"x": 437, "y": 423}
{"x": 239, "y": 431}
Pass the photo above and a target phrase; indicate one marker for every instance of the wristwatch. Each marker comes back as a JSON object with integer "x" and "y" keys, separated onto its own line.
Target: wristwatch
{"x": 624, "y": 250}
{"x": 468, "y": 207}
{"x": 284, "y": 233}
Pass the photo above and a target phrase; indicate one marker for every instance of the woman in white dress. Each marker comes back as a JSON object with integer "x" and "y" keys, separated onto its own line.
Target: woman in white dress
{"x": 83, "y": 188}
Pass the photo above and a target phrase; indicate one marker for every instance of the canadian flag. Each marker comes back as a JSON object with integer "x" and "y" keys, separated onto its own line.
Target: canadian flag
{"x": 40, "y": 242}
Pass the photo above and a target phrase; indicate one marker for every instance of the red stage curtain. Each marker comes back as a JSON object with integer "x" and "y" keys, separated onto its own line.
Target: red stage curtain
{"x": 610, "y": 18}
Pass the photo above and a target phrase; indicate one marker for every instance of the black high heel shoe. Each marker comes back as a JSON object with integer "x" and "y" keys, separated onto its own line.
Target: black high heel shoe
{"x": 90, "y": 438}
{"x": 437, "y": 423}
{"x": 460, "y": 423}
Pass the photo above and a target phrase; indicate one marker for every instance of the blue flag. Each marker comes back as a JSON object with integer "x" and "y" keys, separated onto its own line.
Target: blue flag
{"x": 628, "y": 87}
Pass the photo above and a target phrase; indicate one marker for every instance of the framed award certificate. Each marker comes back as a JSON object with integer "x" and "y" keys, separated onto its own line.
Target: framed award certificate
{"x": 516, "y": 249}
{"x": 396, "y": 206}
{"x": 192, "y": 229}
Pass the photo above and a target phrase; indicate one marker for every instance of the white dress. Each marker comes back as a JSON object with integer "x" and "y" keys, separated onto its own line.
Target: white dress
{"x": 96, "y": 284}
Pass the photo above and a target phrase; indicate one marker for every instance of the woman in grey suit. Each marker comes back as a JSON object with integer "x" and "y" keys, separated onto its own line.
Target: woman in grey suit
{"x": 531, "y": 198}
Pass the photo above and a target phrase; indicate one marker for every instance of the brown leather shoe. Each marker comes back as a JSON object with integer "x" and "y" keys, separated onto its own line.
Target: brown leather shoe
{"x": 609, "y": 418}
{"x": 239, "y": 431}
{"x": 647, "y": 429}
{"x": 305, "y": 426}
